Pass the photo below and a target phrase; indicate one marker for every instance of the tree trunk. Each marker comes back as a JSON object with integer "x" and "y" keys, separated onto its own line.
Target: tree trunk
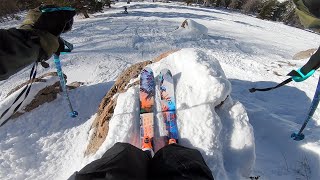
{"x": 85, "y": 13}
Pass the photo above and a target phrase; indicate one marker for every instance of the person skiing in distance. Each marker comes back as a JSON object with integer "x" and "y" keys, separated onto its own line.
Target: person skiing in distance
{"x": 37, "y": 39}
{"x": 125, "y": 10}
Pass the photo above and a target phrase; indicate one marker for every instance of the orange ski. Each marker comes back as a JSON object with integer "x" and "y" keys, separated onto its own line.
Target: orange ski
{"x": 147, "y": 92}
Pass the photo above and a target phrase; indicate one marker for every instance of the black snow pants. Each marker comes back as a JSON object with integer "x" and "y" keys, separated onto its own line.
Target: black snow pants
{"x": 126, "y": 162}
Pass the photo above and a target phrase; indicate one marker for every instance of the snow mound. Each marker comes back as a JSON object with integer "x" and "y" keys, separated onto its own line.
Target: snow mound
{"x": 207, "y": 117}
{"x": 190, "y": 29}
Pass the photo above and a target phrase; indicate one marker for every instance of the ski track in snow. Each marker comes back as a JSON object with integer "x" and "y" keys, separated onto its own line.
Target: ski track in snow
{"x": 46, "y": 144}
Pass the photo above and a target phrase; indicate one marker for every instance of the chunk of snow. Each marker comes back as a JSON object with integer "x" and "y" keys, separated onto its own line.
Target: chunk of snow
{"x": 190, "y": 29}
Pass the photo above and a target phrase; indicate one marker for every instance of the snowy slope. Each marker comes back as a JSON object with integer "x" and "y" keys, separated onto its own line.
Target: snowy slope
{"x": 46, "y": 144}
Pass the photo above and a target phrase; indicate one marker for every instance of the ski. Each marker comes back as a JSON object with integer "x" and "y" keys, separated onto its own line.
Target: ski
{"x": 168, "y": 105}
{"x": 147, "y": 92}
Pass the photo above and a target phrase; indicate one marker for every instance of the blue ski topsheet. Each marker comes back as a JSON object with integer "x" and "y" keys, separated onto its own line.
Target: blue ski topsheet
{"x": 168, "y": 105}
{"x": 147, "y": 90}
{"x": 166, "y": 91}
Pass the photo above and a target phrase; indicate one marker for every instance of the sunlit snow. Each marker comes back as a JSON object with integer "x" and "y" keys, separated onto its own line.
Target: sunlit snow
{"x": 223, "y": 54}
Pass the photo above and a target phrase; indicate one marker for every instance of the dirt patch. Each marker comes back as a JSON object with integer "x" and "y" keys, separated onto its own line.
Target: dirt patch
{"x": 304, "y": 54}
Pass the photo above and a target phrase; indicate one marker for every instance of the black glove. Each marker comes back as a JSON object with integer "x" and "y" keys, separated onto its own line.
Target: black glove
{"x": 48, "y": 22}
{"x": 61, "y": 46}
{"x": 64, "y": 46}
{"x": 55, "y": 20}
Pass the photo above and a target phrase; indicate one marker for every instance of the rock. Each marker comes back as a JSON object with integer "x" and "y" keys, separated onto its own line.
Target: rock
{"x": 184, "y": 23}
{"x": 74, "y": 85}
{"x": 190, "y": 29}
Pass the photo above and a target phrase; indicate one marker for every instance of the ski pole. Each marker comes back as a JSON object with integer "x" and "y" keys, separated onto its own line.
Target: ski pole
{"x": 300, "y": 136}
{"x": 56, "y": 60}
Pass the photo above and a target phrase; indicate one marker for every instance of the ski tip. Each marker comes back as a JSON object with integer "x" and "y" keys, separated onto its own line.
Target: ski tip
{"x": 297, "y": 137}
{"x": 165, "y": 71}
{"x": 165, "y": 75}
{"x": 148, "y": 69}
{"x": 74, "y": 114}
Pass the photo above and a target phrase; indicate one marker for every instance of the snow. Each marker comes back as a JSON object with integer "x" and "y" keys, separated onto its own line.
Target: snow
{"x": 248, "y": 135}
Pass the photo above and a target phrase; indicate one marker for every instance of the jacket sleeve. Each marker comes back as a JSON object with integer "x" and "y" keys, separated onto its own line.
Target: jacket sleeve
{"x": 313, "y": 63}
{"x": 18, "y": 49}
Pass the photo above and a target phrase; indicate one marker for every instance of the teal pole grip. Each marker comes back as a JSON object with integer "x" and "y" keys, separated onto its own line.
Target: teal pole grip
{"x": 302, "y": 77}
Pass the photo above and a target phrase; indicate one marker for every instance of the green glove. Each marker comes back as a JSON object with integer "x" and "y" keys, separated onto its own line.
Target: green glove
{"x": 48, "y": 22}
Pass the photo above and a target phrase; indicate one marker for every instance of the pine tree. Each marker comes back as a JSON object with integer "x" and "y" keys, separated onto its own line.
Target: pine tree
{"x": 251, "y": 6}
{"x": 237, "y": 4}
{"x": 188, "y": 2}
{"x": 27, "y": 4}
{"x": 218, "y": 3}
{"x": 268, "y": 10}
{"x": 8, "y": 9}
{"x": 227, "y": 3}
{"x": 289, "y": 16}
